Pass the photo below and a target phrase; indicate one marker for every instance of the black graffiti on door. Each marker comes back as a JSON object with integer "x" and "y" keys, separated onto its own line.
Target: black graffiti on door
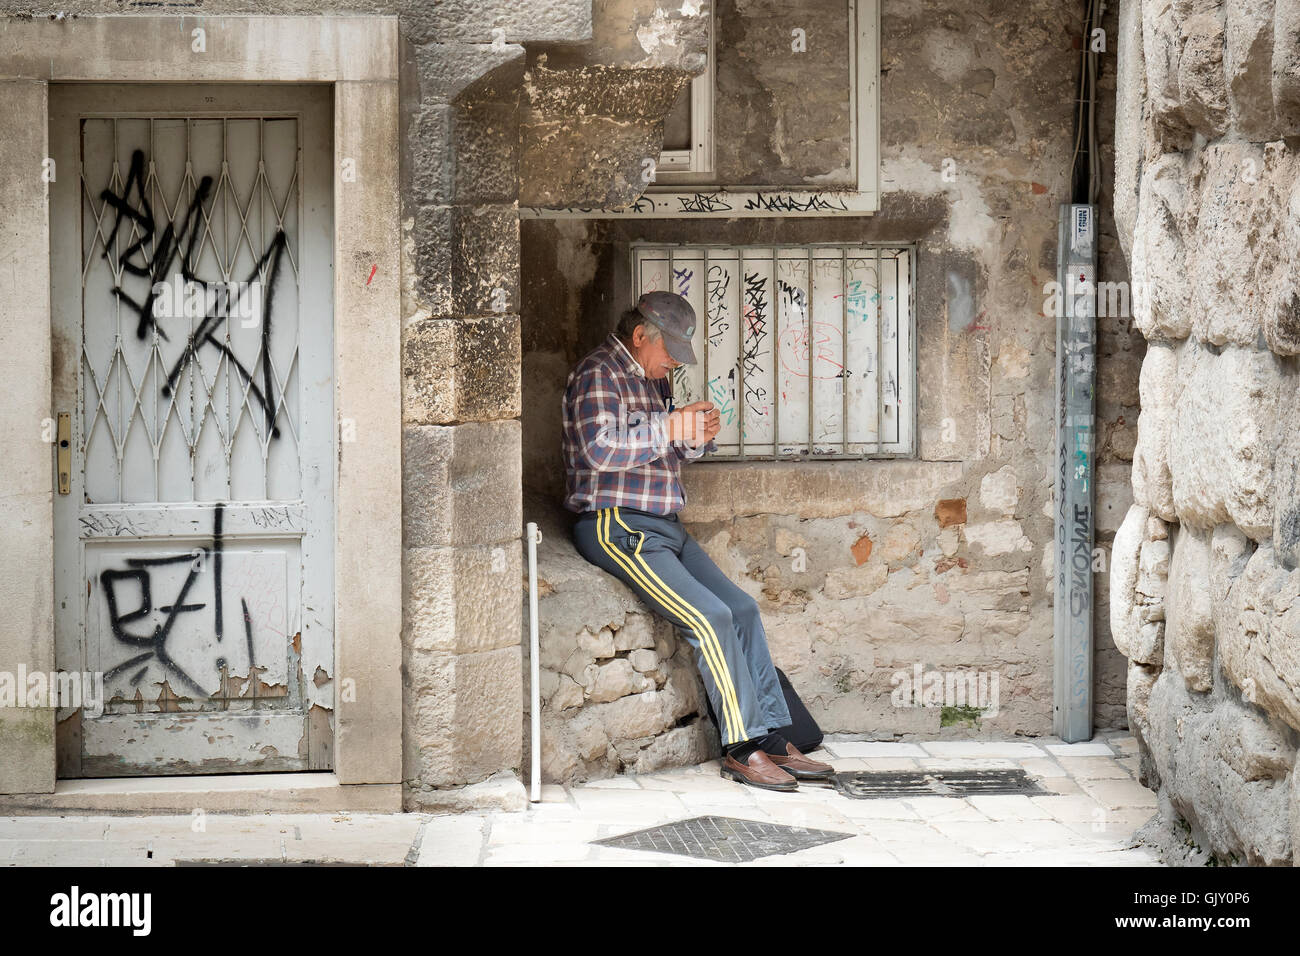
{"x": 157, "y": 267}
{"x": 156, "y": 643}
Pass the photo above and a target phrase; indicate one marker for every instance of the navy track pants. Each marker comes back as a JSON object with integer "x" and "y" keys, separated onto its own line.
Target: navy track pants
{"x": 669, "y": 571}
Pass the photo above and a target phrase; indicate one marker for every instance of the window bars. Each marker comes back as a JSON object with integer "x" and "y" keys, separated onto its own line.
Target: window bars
{"x": 186, "y": 396}
{"x": 809, "y": 351}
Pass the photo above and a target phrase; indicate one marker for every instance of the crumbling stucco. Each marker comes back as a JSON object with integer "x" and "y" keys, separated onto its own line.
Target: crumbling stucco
{"x": 863, "y": 569}
{"x": 595, "y": 113}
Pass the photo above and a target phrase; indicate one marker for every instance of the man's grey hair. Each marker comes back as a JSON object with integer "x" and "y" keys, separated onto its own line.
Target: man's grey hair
{"x": 628, "y": 322}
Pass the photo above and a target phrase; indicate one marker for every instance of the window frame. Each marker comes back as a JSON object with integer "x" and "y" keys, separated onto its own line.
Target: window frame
{"x": 907, "y": 445}
{"x": 674, "y": 164}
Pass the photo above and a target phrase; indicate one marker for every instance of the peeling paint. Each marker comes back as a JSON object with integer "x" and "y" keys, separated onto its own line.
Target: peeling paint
{"x": 167, "y": 700}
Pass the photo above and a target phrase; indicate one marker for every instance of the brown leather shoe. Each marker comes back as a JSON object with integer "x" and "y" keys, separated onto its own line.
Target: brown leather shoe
{"x": 757, "y": 771}
{"x": 799, "y": 766}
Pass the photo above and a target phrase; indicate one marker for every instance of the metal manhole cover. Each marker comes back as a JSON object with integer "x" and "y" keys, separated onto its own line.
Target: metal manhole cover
{"x": 725, "y": 839}
{"x": 866, "y": 784}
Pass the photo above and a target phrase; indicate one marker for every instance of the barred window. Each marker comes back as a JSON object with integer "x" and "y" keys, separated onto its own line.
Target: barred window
{"x": 758, "y": 357}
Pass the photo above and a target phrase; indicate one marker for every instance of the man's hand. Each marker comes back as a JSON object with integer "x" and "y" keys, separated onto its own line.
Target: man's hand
{"x": 696, "y": 423}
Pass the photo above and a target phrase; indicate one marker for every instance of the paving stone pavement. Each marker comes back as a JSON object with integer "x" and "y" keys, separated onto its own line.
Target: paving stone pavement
{"x": 1095, "y": 806}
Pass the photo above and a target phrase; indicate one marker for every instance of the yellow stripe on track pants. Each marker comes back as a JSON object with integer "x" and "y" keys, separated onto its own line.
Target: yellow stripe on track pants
{"x": 669, "y": 571}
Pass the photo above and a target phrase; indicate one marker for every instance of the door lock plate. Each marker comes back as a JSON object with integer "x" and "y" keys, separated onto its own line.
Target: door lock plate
{"x": 65, "y": 453}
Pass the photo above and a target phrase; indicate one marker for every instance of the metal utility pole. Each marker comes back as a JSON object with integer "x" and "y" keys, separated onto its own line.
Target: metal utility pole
{"x": 1076, "y": 350}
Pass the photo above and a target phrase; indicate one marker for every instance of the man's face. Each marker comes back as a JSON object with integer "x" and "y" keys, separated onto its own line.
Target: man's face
{"x": 653, "y": 356}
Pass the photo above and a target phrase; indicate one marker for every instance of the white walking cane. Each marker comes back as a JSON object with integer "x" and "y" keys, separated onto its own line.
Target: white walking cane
{"x": 534, "y": 537}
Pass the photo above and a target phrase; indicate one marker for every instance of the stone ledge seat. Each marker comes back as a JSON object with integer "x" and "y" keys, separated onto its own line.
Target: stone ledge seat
{"x": 620, "y": 691}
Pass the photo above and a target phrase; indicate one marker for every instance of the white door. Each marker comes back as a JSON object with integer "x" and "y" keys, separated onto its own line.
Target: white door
{"x": 191, "y": 237}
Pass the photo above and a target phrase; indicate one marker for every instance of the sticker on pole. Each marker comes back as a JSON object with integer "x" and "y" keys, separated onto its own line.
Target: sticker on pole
{"x": 1082, "y": 227}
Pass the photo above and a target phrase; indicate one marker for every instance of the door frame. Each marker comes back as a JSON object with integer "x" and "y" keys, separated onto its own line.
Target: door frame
{"x": 301, "y": 737}
{"x": 359, "y": 57}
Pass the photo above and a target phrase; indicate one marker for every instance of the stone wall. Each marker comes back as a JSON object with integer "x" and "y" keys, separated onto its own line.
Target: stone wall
{"x": 909, "y": 561}
{"x": 1205, "y": 576}
{"x": 473, "y": 123}
{"x": 487, "y": 125}
{"x": 945, "y": 560}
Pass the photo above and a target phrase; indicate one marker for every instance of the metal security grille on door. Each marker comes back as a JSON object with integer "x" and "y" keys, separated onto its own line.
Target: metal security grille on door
{"x": 198, "y": 361}
{"x": 808, "y": 351}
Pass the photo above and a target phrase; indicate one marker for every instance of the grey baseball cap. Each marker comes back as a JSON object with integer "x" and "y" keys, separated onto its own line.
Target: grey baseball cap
{"x": 675, "y": 317}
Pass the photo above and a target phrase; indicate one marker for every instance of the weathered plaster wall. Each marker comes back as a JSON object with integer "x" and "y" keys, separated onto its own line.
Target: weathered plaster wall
{"x": 779, "y": 117}
{"x": 1205, "y": 579}
{"x": 945, "y": 560}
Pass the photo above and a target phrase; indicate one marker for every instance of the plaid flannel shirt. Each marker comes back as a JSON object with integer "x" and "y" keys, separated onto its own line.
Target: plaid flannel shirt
{"x": 616, "y": 447}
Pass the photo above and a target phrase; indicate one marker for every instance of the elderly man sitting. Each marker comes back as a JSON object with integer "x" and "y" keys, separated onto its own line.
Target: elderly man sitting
{"x": 624, "y": 444}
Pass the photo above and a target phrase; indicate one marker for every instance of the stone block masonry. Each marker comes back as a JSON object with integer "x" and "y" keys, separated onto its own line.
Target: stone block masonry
{"x": 1205, "y": 582}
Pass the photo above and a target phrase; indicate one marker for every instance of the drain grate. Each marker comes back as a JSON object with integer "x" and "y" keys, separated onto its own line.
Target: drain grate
{"x": 867, "y": 784}
{"x": 726, "y": 839}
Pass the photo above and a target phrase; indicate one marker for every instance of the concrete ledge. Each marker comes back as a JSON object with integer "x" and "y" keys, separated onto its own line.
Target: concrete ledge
{"x": 501, "y": 791}
{"x": 886, "y": 488}
{"x": 223, "y": 793}
{"x": 160, "y": 49}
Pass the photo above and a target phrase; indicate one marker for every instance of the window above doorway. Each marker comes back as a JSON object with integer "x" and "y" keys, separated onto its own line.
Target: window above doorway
{"x": 785, "y": 121}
